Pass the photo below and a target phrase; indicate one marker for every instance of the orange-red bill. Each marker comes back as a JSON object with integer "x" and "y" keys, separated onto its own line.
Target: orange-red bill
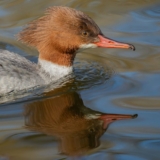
{"x": 108, "y": 43}
{"x": 108, "y": 118}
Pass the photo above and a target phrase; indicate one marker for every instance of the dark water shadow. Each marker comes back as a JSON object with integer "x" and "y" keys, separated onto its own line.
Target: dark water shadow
{"x": 65, "y": 116}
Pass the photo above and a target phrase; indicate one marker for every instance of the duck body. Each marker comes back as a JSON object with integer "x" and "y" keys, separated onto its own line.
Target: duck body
{"x": 18, "y": 73}
{"x": 57, "y": 36}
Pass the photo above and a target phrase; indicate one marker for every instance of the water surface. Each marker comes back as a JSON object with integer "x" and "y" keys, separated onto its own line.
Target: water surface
{"x": 104, "y": 80}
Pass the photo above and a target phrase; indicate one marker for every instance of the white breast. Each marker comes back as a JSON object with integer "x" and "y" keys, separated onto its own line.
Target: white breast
{"x": 55, "y": 71}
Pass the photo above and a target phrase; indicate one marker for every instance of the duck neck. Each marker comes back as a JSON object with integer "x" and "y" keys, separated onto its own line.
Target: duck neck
{"x": 54, "y": 70}
{"x": 56, "y": 65}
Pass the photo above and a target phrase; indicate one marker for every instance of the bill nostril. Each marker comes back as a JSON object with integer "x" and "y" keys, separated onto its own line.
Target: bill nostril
{"x": 110, "y": 42}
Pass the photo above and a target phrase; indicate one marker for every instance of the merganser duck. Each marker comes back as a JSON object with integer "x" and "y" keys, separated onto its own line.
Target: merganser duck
{"x": 65, "y": 116}
{"x": 57, "y": 36}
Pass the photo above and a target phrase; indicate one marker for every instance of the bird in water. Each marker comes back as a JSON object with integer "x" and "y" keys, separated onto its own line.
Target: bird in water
{"x": 58, "y": 36}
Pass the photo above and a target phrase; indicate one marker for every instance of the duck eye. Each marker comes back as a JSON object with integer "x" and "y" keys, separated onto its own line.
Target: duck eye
{"x": 84, "y": 33}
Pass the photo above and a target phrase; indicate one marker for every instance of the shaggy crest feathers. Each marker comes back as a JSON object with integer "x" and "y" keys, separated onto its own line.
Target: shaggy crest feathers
{"x": 36, "y": 32}
{"x": 59, "y": 34}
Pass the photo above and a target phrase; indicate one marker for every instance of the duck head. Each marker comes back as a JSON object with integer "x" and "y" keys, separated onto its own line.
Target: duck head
{"x": 62, "y": 32}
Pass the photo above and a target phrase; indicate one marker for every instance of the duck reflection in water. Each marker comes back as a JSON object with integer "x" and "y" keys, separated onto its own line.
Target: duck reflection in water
{"x": 77, "y": 127}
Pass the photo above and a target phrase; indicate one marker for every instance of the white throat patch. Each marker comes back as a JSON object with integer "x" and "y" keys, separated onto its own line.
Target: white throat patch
{"x": 89, "y": 45}
{"x": 85, "y": 46}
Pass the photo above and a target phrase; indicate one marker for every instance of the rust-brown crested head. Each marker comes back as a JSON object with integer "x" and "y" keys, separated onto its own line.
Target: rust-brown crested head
{"x": 63, "y": 28}
{"x": 61, "y": 32}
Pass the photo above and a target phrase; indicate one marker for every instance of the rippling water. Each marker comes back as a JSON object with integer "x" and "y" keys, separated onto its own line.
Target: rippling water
{"x": 35, "y": 126}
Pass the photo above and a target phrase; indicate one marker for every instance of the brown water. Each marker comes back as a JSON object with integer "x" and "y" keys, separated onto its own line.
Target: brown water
{"x": 105, "y": 80}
